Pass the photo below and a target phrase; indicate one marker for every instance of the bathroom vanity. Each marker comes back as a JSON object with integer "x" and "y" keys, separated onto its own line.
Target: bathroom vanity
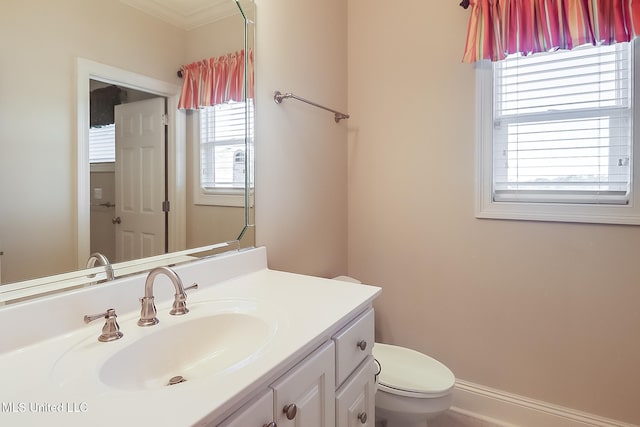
{"x": 258, "y": 348}
{"x": 315, "y": 392}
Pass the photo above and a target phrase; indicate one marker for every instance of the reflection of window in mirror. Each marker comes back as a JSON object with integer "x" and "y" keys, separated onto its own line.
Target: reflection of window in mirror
{"x": 238, "y": 166}
{"x": 222, "y": 155}
{"x": 102, "y": 144}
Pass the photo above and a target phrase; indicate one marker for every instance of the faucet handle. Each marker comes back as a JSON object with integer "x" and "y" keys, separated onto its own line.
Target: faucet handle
{"x": 180, "y": 302}
{"x": 111, "y": 329}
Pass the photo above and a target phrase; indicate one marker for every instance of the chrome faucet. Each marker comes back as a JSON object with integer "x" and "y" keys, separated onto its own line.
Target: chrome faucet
{"x": 148, "y": 311}
{"x": 98, "y": 258}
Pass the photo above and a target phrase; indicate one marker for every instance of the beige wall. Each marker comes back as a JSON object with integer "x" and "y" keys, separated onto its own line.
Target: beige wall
{"x": 546, "y": 310}
{"x": 220, "y": 38}
{"x": 301, "y": 193}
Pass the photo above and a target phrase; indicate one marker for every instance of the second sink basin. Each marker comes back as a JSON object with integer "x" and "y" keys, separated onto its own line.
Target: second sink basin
{"x": 189, "y": 350}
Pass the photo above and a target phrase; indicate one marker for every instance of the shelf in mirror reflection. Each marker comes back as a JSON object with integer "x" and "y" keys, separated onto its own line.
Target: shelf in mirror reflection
{"x": 27, "y": 290}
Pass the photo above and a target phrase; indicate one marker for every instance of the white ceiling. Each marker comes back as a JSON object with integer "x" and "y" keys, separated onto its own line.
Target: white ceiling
{"x": 186, "y": 14}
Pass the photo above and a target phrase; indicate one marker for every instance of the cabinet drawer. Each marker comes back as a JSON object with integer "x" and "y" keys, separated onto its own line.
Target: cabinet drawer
{"x": 353, "y": 345}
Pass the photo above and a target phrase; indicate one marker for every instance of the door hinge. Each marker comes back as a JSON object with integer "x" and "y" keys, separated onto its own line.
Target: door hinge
{"x": 166, "y": 206}
{"x": 165, "y": 119}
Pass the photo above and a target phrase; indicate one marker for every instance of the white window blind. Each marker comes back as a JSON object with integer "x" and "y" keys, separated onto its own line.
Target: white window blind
{"x": 562, "y": 126}
{"x": 222, "y": 146}
{"x": 102, "y": 144}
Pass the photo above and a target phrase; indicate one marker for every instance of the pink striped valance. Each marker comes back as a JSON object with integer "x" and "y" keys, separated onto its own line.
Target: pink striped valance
{"x": 216, "y": 81}
{"x": 501, "y": 27}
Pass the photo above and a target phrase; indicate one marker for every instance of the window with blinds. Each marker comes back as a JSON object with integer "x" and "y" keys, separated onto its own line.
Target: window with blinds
{"x": 102, "y": 144}
{"x": 222, "y": 147}
{"x": 562, "y": 126}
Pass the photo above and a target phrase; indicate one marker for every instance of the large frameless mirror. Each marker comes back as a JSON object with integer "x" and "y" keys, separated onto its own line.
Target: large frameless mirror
{"x": 96, "y": 156}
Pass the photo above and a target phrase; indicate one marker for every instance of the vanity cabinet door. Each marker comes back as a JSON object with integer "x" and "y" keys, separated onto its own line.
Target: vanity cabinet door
{"x": 305, "y": 396}
{"x": 355, "y": 400}
{"x": 257, "y": 413}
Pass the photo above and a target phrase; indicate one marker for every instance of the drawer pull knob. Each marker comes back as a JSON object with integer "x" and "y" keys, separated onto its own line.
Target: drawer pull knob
{"x": 362, "y": 416}
{"x": 271, "y": 424}
{"x": 362, "y": 345}
{"x": 290, "y": 411}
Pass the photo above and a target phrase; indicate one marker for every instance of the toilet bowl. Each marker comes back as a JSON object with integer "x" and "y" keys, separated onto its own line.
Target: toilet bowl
{"x": 412, "y": 388}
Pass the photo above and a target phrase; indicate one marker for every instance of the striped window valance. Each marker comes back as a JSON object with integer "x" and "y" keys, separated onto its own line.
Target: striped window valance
{"x": 498, "y": 28}
{"x": 216, "y": 81}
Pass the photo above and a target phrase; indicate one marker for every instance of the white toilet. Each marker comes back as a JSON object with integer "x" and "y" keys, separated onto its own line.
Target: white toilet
{"x": 412, "y": 387}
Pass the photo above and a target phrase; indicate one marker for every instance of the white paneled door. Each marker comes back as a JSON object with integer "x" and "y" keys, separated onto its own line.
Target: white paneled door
{"x": 140, "y": 179}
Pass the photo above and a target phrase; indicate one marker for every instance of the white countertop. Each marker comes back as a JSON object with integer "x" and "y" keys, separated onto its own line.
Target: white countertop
{"x": 306, "y": 311}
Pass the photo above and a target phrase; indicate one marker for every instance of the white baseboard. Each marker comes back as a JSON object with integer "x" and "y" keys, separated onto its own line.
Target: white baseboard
{"x": 510, "y": 410}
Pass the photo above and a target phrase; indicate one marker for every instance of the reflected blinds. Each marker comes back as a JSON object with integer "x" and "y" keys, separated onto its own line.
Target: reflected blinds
{"x": 222, "y": 145}
{"x": 102, "y": 144}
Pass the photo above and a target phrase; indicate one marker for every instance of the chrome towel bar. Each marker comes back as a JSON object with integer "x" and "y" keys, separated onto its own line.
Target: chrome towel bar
{"x": 278, "y": 97}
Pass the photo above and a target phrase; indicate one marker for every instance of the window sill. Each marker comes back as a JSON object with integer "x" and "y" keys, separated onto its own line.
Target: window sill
{"x": 226, "y": 198}
{"x": 578, "y": 213}
{"x": 102, "y": 167}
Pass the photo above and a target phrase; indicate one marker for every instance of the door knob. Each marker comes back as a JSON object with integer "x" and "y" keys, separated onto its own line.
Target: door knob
{"x": 116, "y": 220}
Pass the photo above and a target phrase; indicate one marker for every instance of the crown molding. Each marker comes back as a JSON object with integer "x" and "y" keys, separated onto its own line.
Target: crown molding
{"x": 187, "y": 15}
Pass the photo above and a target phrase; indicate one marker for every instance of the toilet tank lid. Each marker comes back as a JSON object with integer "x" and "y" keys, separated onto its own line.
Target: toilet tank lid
{"x": 405, "y": 370}
{"x": 347, "y": 279}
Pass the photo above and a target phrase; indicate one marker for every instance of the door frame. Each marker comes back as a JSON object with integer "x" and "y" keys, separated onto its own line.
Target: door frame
{"x": 176, "y": 149}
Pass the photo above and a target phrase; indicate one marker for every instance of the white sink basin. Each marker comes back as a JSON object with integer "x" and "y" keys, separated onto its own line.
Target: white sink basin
{"x": 192, "y": 349}
{"x": 213, "y": 339}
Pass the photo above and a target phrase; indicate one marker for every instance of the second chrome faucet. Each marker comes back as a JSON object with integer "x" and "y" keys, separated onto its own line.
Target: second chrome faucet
{"x": 148, "y": 311}
{"x": 98, "y": 258}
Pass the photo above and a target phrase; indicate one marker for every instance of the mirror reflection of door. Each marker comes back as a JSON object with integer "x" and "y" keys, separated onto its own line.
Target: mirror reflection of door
{"x": 127, "y": 174}
{"x": 140, "y": 220}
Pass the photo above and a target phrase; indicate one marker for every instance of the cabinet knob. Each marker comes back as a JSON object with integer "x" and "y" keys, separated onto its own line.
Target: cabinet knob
{"x": 271, "y": 424}
{"x": 290, "y": 411}
{"x": 362, "y": 416}
{"x": 362, "y": 345}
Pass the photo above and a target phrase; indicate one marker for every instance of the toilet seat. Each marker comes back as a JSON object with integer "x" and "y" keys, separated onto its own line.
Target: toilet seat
{"x": 406, "y": 372}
